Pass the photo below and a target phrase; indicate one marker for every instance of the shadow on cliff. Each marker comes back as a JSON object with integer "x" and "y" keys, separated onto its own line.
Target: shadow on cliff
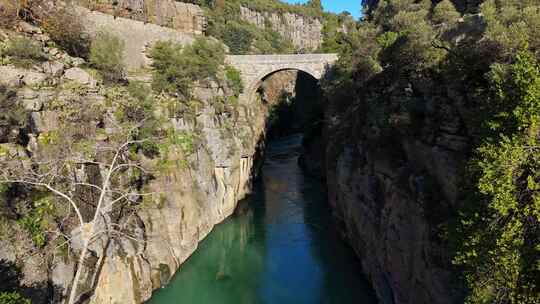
{"x": 11, "y": 281}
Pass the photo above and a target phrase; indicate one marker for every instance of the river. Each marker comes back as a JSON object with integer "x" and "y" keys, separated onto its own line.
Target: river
{"x": 280, "y": 247}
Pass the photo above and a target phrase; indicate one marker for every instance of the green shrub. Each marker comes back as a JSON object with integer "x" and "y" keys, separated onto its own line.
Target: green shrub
{"x": 133, "y": 104}
{"x": 513, "y": 25}
{"x": 13, "y": 298}
{"x": 64, "y": 26}
{"x": 140, "y": 91}
{"x": 445, "y": 12}
{"x": 176, "y": 68}
{"x": 502, "y": 263}
{"x": 312, "y": 8}
{"x": 234, "y": 80}
{"x": 24, "y": 52}
{"x": 243, "y": 37}
{"x": 237, "y": 36}
{"x": 205, "y": 56}
{"x": 169, "y": 73}
{"x": 34, "y": 221}
{"x": 107, "y": 54}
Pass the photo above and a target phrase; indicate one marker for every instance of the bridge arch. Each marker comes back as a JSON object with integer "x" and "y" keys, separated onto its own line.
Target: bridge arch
{"x": 255, "y": 68}
{"x": 251, "y": 90}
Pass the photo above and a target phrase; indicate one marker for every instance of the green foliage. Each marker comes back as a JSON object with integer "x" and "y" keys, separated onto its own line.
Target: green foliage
{"x": 23, "y": 52}
{"x": 234, "y": 80}
{"x": 175, "y": 149}
{"x": 335, "y": 32}
{"x": 107, "y": 54}
{"x": 183, "y": 140}
{"x": 445, "y": 12}
{"x": 503, "y": 262}
{"x": 312, "y": 8}
{"x": 236, "y": 35}
{"x": 513, "y": 25}
{"x": 177, "y": 67}
{"x": 401, "y": 65}
{"x": 13, "y": 298}
{"x": 243, "y": 37}
{"x": 35, "y": 221}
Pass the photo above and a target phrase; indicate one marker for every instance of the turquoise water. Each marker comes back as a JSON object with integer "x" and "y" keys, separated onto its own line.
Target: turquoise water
{"x": 279, "y": 248}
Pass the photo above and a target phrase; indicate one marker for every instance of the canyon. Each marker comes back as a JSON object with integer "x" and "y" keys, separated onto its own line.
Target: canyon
{"x": 390, "y": 166}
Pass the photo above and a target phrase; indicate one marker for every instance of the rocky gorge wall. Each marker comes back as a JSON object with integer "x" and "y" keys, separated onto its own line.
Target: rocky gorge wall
{"x": 164, "y": 233}
{"x": 183, "y": 17}
{"x": 393, "y": 192}
{"x": 136, "y": 35}
{"x": 304, "y": 32}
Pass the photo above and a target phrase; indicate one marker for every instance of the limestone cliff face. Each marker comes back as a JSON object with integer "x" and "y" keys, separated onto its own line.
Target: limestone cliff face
{"x": 183, "y": 17}
{"x": 137, "y": 35}
{"x": 393, "y": 193}
{"x": 195, "y": 201}
{"x": 304, "y": 32}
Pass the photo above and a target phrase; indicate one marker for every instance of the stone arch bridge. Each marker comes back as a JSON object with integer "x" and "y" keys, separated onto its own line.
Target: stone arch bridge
{"x": 254, "y": 68}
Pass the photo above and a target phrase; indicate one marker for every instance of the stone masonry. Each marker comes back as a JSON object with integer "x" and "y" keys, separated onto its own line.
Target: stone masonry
{"x": 254, "y": 68}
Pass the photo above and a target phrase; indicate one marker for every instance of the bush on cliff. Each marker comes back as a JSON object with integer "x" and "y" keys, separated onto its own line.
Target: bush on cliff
{"x": 23, "y": 52}
{"x": 243, "y": 37}
{"x": 176, "y": 67}
{"x": 234, "y": 80}
{"x": 502, "y": 262}
{"x": 106, "y": 55}
{"x": 64, "y": 26}
{"x": 445, "y": 12}
{"x": 13, "y": 298}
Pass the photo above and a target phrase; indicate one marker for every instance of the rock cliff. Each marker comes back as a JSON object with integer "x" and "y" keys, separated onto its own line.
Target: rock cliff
{"x": 163, "y": 232}
{"x": 393, "y": 190}
{"x": 304, "y": 32}
{"x": 183, "y": 17}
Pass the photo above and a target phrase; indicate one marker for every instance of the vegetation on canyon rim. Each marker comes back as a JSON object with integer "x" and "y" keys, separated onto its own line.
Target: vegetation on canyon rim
{"x": 492, "y": 59}
{"x": 242, "y": 37}
{"x": 414, "y": 46}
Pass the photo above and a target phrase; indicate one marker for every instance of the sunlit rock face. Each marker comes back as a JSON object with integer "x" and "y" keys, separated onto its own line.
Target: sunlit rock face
{"x": 199, "y": 193}
{"x": 184, "y": 17}
{"x": 304, "y": 32}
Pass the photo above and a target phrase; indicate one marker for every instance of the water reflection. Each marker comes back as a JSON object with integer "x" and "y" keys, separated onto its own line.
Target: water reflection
{"x": 279, "y": 247}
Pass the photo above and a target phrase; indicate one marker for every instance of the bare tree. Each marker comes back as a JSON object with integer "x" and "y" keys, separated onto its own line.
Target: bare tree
{"x": 60, "y": 175}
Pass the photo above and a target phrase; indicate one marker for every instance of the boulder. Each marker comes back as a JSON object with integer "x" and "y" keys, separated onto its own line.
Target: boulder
{"x": 11, "y": 76}
{"x": 28, "y": 28}
{"x": 44, "y": 121}
{"x": 53, "y": 68}
{"x": 30, "y": 99}
{"x": 32, "y": 78}
{"x": 81, "y": 76}
{"x": 16, "y": 77}
{"x": 77, "y": 62}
